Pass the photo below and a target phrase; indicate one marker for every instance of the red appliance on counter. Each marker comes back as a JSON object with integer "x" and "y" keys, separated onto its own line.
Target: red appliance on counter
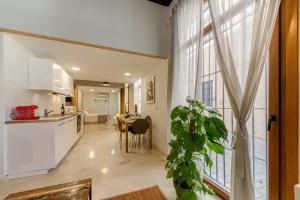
{"x": 24, "y": 112}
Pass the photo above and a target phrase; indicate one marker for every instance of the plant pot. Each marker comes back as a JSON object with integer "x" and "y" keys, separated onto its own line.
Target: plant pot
{"x": 179, "y": 189}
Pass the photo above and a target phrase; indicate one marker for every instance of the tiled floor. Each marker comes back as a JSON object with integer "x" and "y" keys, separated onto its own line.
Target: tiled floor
{"x": 97, "y": 155}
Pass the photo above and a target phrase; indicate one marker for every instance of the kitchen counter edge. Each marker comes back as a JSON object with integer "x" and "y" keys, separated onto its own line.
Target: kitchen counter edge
{"x": 41, "y": 120}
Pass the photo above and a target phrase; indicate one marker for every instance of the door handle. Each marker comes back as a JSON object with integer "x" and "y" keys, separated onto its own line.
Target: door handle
{"x": 271, "y": 120}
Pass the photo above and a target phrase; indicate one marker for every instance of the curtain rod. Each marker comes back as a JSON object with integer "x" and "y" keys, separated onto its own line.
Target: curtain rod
{"x": 172, "y": 7}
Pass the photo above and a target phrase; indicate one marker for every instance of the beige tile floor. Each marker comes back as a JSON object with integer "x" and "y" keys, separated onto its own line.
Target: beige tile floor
{"x": 98, "y": 155}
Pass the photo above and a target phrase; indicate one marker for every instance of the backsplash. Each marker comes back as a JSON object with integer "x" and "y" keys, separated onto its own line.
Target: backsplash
{"x": 26, "y": 97}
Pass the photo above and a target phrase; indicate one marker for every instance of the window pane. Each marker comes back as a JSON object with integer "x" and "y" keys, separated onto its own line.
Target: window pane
{"x": 214, "y": 94}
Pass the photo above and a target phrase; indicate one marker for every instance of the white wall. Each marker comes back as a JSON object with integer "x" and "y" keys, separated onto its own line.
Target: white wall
{"x": 2, "y": 118}
{"x": 79, "y": 99}
{"x": 99, "y": 107}
{"x": 88, "y": 103}
{"x": 131, "y": 98}
{"x": 15, "y": 61}
{"x": 136, "y": 25}
{"x": 113, "y": 104}
{"x": 158, "y": 110}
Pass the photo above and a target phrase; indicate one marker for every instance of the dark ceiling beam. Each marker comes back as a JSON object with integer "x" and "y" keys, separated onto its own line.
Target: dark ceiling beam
{"x": 162, "y": 2}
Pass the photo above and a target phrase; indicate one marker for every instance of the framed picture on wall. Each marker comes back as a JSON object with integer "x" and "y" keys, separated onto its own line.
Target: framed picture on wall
{"x": 150, "y": 90}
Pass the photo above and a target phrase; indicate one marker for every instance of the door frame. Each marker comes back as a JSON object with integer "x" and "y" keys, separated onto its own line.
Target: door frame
{"x": 289, "y": 92}
{"x": 273, "y": 135}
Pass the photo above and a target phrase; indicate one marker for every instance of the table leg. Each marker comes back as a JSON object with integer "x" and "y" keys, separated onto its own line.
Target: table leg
{"x": 126, "y": 130}
{"x": 150, "y": 136}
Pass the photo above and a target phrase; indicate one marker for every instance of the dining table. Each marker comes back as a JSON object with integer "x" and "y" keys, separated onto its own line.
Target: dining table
{"x": 128, "y": 122}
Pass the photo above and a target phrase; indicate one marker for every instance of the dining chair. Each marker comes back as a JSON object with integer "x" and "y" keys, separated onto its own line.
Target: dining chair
{"x": 121, "y": 128}
{"x": 139, "y": 128}
{"x": 148, "y": 118}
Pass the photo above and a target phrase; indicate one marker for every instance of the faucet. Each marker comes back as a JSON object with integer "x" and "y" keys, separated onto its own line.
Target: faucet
{"x": 46, "y": 112}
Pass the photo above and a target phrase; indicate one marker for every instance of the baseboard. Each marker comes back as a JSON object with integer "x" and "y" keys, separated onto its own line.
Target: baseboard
{"x": 27, "y": 174}
{"x": 297, "y": 191}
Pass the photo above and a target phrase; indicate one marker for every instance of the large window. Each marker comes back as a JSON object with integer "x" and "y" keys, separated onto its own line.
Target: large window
{"x": 214, "y": 94}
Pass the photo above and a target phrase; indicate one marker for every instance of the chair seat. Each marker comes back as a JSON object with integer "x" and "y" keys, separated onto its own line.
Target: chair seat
{"x": 130, "y": 129}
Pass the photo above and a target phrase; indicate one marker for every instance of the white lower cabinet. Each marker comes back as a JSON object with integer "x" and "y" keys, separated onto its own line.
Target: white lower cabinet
{"x": 65, "y": 137}
{"x": 35, "y": 148}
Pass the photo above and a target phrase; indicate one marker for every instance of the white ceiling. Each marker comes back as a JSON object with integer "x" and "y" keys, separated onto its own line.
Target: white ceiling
{"x": 98, "y": 89}
{"x": 95, "y": 64}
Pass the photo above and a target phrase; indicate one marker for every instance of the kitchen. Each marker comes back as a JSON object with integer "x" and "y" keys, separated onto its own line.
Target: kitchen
{"x": 38, "y": 144}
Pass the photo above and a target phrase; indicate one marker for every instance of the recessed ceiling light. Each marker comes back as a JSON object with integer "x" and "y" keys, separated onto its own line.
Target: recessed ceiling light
{"x": 106, "y": 83}
{"x": 92, "y": 90}
{"x": 112, "y": 91}
{"x": 76, "y": 68}
{"x": 127, "y": 74}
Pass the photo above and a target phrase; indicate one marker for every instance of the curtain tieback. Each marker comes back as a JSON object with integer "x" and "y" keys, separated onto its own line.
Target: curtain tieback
{"x": 240, "y": 128}
{"x": 241, "y": 131}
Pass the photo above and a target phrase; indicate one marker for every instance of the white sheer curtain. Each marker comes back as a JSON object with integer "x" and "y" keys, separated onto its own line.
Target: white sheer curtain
{"x": 187, "y": 41}
{"x": 241, "y": 53}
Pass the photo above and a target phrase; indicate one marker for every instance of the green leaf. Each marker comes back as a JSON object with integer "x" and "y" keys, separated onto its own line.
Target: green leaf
{"x": 207, "y": 189}
{"x": 199, "y": 140}
{"x": 216, "y": 147}
{"x": 174, "y": 113}
{"x": 215, "y": 129}
{"x": 189, "y": 100}
{"x": 176, "y": 127}
{"x": 179, "y": 111}
{"x": 212, "y": 111}
{"x": 170, "y": 173}
{"x": 208, "y": 161}
{"x": 188, "y": 195}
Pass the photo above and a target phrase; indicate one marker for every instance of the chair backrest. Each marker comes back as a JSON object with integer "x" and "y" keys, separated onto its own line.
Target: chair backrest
{"x": 148, "y": 118}
{"x": 140, "y": 126}
{"x": 128, "y": 116}
{"x": 119, "y": 123}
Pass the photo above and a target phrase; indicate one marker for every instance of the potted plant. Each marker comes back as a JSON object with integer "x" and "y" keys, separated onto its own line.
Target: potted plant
{"x": 196, "y": 129}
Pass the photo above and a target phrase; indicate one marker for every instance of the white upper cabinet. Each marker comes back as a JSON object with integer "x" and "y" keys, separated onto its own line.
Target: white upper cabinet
{"x": 40, "y": 74}
{"x": 45, "y": 74}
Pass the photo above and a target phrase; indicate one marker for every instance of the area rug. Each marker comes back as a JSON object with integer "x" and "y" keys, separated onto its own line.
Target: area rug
{"x": 151, "y": 193}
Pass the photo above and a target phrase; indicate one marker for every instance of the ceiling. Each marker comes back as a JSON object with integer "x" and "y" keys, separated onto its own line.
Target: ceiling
{"x": 98, "y": 89}
{"x": 162, "y": 2}
{"x": 95, "y": 64}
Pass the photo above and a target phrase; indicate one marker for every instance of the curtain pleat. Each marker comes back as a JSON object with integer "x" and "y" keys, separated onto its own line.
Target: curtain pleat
{"x": 187, "y": 53}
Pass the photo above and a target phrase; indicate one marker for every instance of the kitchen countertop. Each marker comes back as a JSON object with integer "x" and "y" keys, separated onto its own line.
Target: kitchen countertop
{"x": 52, "y": 118}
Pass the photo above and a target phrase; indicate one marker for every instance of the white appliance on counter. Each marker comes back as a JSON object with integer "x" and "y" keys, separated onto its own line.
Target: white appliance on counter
{"x": 70, "y": 109}
{"x": 36, "y": 147}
